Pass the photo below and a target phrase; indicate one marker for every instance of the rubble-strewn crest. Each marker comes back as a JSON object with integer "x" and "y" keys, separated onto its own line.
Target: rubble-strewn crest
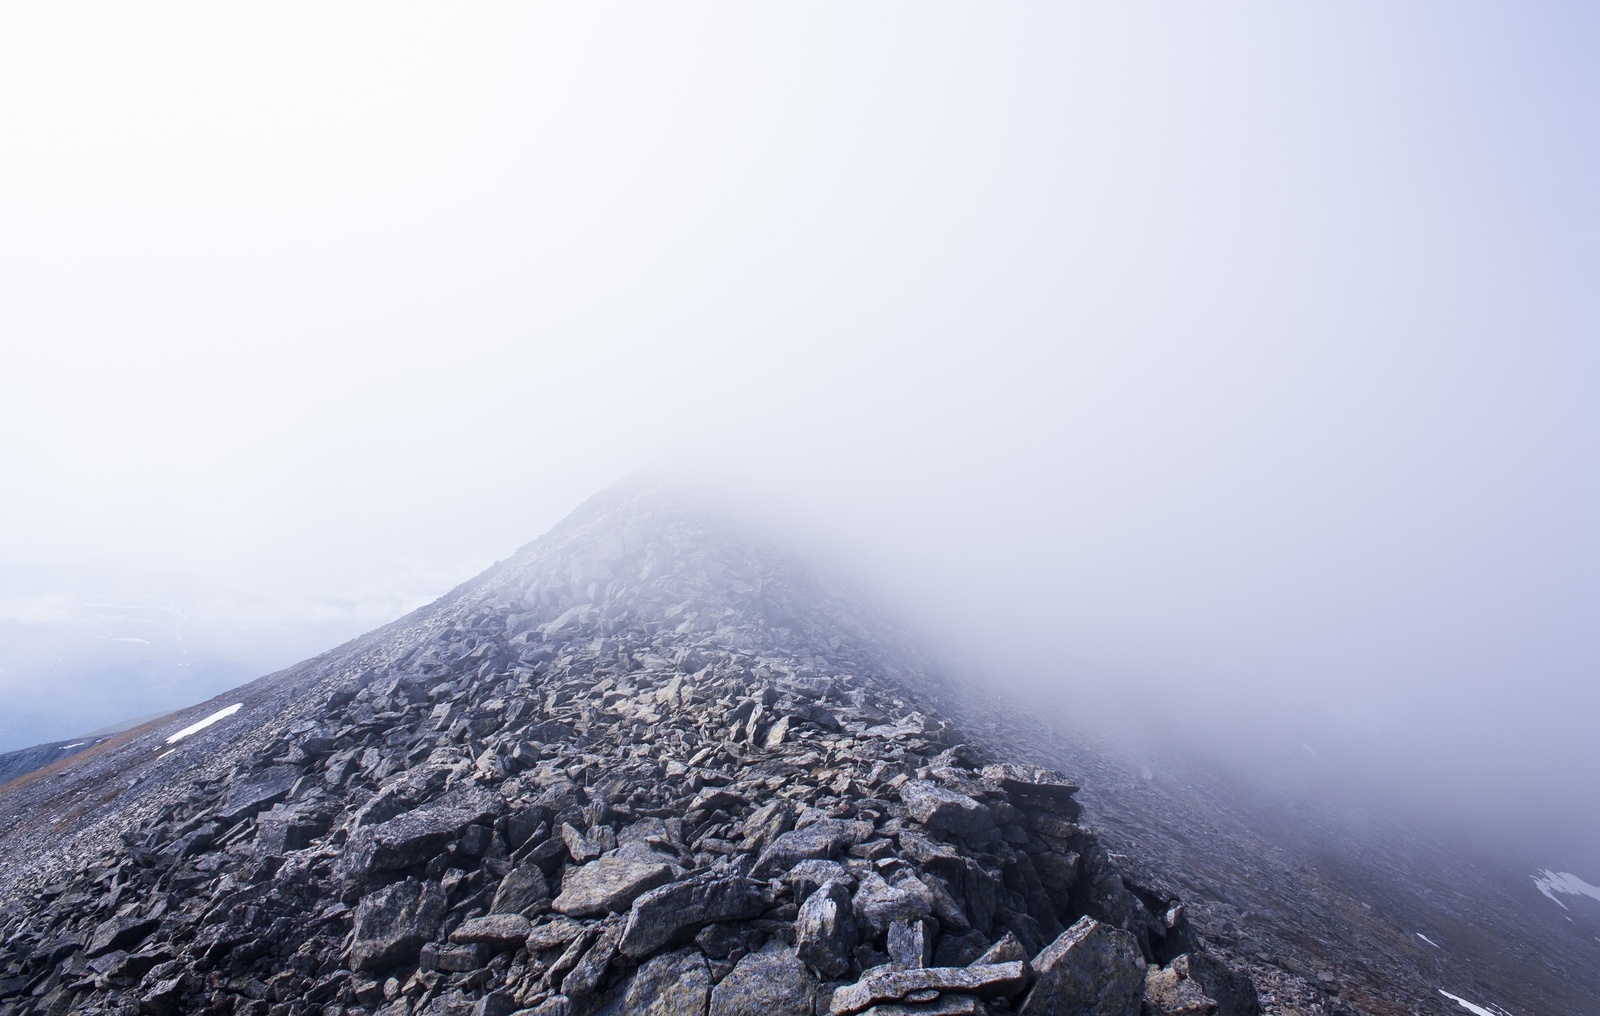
{"x": 646, "y": 765}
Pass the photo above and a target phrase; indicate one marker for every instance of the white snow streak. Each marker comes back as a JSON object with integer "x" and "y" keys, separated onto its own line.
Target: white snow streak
{"x": 220, "y": 714}
{"x": 1429, "y": 940}
{"x": 1478, "y": 1009}
{"x": 1552, "y": 882}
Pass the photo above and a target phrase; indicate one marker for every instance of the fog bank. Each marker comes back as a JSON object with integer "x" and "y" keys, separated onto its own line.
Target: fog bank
{"x": 1225, "y": 368}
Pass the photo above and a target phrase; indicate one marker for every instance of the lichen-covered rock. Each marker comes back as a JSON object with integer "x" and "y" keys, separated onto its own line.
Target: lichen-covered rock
{"x": 520, "y": 891}
{"x": 1091, "y": 969}
{"x": 825, "y": 839}
{"x": 671, "y": 984}
{"x": 497, "y": 930}
{"x": 392, "y": 924}
{"x": 771, "y": 982}
{"x": 877, "y": 903}
{"x": 1171, "y": 991}
{"x": 675, "y": 912}
{"x": 607, "y": 885}
{"x": 1232, "y": 989}
{"x": 825, "y": 930}
{"x": 413, "y": 837}
{"x": 938, "y": 808}
{"x": 889, "y": 985}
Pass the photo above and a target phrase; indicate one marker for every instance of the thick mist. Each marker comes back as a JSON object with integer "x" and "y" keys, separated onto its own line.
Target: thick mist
{"x": 1226, "y": 375}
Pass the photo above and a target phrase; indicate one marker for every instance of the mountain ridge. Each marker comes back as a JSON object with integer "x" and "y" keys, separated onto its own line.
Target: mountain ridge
{"x": 644, "y": 689}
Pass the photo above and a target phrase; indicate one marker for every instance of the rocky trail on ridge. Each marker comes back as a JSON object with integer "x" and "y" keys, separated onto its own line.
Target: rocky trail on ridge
{"x": 646, "y": 765}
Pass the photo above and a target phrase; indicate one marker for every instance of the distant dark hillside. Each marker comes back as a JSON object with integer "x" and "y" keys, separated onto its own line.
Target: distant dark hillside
{"x": 26, "y": 760}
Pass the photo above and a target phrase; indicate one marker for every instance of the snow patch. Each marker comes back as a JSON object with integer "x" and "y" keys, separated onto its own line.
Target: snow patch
{"x": 220, "y": 714}
{"x": 1429, "y": 940}
{"x": 75, "y": 744}
{"x": 1552, "y": 882}
{"x": 1478, "y": 1009}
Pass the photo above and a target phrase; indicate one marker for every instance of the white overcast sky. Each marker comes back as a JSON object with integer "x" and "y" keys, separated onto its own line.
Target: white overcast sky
{"x": 1214, "y": 346}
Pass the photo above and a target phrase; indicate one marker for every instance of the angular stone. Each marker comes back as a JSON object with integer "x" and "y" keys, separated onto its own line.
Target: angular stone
{"x": 766, "y": 824}
{"x": 120, "y": 933}
{"x": 606, "y": 885}
{"x": 959, "y": 950}
{"x": 825, "y": 839}
{"x": 280, "y": 830}
{"x": 929, "y": 852}
{"x": 495, "y": 1003}
{"x": 1029, "y": 786}
{"x": 392, "y": 924}
{"x": 676, "y": 911}
{"x": 586, "y": 975}
{"x": 807, "y": 877}
{"x": 672, "y": 984}
{"x": 520, "y": 891}
{"x": 1091, "y": 969}
{"x": 499, "y": 931}
{"x": 825, "y": 930}
{"x": 417, "y": 835}
{"x": 455, "y": 959}
{"x": 164, "y": 998}
{"x": 938, "y": 808}
{"x": 771, "y": 982}
{"x": 579, "y": 847}
{"x": 257, "y": 792}
{"x": 884, "y": 985}
{"x": 944, "y": 1005}
{"x": 553, "y": 934}
{"x": 877, "y": 903}
{"x": 1232, "y": 988}
{"x": 911, "y": 942}
{"x": 1005, "y": 950}
{"x": 1171, "y": 991}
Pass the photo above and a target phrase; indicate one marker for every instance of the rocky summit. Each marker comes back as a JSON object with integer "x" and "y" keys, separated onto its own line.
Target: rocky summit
{"x": 646, "y": 765}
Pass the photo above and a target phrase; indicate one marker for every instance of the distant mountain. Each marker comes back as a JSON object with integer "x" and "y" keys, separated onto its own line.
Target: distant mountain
{"x": 653, "y": 763}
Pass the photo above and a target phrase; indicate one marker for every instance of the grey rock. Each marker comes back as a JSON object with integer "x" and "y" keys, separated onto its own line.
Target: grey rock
{"x": 944, "y": 1005}
{"x": 878, "y": 903}
{"x": 959, "y": 950}
{"x": 120, "y": 933}
{"x": 553, "y": 933}
{"x": 1030, "y": 786}
{"x": 497, "y": 930}
{"x": 825, "y": 930}
{"x": 606, "y": 885}
{"x": 1234, "y": 992}
{"x": 1092, "y": 969}
{"x": 888, "y": 985}
{"x": 911, "y": 942}
{"x": 257, "y": 792}
{"x": 771, "y": 982}
{"x": 282, "y": 829}
{"x": 1005, "y": 950}
{"x": 415, "y": 836}
{"x": 675, "y": 912}
{"x": 671, "y": 984}
{"x": 496, "y": 1003}
{"x": 392, "y": 924}
{"x": 825, "y": 839}
{"x": 938, "y": 808}
{"x": 586, "y": 975}
{"x": 521, "y": 890}
{"x": 807, "y": 877}
{"x": 1171, "y": 991}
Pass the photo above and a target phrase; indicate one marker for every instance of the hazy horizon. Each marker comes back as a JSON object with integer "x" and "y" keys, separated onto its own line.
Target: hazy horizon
{"x": 1234, "y": 365}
